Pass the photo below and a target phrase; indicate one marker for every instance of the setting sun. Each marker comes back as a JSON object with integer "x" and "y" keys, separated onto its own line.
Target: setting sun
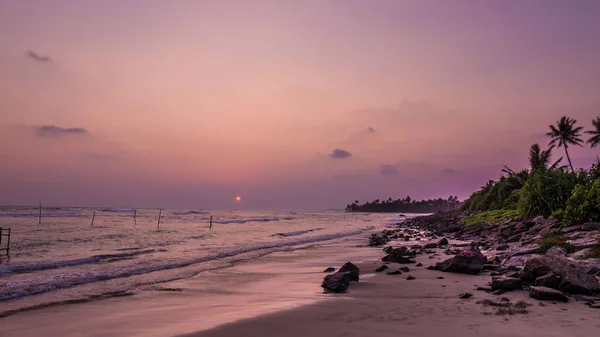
{"x": 238, "y": 199}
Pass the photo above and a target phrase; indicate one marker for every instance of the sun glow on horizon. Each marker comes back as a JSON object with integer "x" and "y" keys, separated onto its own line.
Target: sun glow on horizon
{"x": 238, "y": 199}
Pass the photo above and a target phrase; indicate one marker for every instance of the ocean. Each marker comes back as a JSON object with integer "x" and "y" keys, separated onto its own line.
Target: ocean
{"x": 67, "y": 260}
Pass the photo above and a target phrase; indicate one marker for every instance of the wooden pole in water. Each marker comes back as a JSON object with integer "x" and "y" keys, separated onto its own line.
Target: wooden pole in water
{"x": 159, "y": 214}
{"x": 210, "y": 225}
{"x": 40, "y": 215}
{"x": 134, "y": 217}
{"x": 93, "y": 216}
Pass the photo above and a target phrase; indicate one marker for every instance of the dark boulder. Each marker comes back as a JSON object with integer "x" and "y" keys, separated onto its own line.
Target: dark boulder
{"x": 351, "y": 269}
{"x": 405, "y": 269}
{"x": 502, "y": 247}
{"x": 549, "y": 280}
{"x": 410, "y": 277}
{"x": 590, "y": 226}
{"x": 547, "y": 294}
{"x": 395, "y": 272}
{"x": 443, "y": 242}
{"x": 329, "y": 270}
{"x": 380, "y": 269}
{"x": 377, "y": 240}
{"x": 388, "y": 249}
{"x": 400, "y": 255}
{"x": 430, "y": 245}
{"x": 574, "y": 278}
{"x": 557, "y": 251}
{"x": 506, "y": 283}
{"x": 468, "y": 261}
{"x": 336, "y": 283}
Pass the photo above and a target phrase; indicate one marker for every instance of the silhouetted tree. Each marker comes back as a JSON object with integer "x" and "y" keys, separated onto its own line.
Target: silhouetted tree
{"x": 564, "y": 133}
{"x": 595, "y": 139}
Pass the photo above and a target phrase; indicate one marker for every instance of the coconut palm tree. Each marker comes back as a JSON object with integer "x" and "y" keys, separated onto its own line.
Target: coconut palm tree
{"x": 564, "y": 134}
{"x": 539, "y": 160}
{"x": 595, "y": 139}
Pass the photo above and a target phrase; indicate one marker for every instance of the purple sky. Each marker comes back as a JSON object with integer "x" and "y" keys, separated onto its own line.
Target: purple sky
{"x": 289, "y": 104}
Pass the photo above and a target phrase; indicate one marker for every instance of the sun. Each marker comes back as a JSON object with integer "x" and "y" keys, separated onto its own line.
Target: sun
{"x": 238, "y": 199}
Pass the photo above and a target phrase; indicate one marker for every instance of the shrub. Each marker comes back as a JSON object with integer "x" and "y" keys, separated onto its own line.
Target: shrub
{"x": 584, "y": 204}
{"x": 495, "y": 216}
{"x": 550, "y": 240}
{"x": 546, "y": 192}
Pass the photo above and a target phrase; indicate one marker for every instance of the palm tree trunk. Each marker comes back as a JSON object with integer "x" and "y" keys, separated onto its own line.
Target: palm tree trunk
{"x": 569, "y": 158}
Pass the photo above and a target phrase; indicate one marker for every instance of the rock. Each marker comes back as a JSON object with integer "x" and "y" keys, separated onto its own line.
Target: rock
{"x": 502, "y": 247}
{"x": 468, "y": 261}
{"x": 419, "y": 265}
{"x": 329, "y": 270}
{"x": 440, "y": 277}
{"x": 590, "y": 226}
{"x": 430, "y": 245}
{"x": 443, "y": 242}
{"x": 594, "y": 271}
{"x": 465, "y": 296}
{"x": 506, "y": 283}
{"x": 547, "y": 294}
{"x": 550, "y": 280}
{"x": 398, "y": 259}
{"x": 382, "y": 268}
{"x": 377, "y": 240}
{"x": 388, "y": 249}
{"x": 451, "y": 251}
{"x": 575, "y": 280}
{"x": 404, "y": 269}
{"x": 415, "y": 247}
{"x": 410, "y": 277}
{"x": 515, "y": 238}
{"x": 352, "y": 269}
{"x": 571, "y": 229}
{"x": 557, "y": 251}
{"x": 582, "y": 254}
{"x": 395, "y": 272}
{"x": 336, "y": 283}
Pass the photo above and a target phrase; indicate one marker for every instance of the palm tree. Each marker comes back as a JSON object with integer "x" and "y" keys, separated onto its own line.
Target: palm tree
{"x": 564, "y": 133}
{"x": 540, "y": 159}
{"x": 595, "y": 139}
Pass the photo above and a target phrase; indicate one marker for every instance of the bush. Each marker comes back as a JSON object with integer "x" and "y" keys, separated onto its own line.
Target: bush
{"x": 554, "y": 240}
{"x": 547, "y": 192}
{"x": 584, "y": 204}
{"x": 559, "y": 214}
{"x": 495, "y": 216}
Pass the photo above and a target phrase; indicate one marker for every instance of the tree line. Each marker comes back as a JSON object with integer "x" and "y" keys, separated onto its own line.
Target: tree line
{"x": 548, "y": 188}
{"x": 406, "y": 205}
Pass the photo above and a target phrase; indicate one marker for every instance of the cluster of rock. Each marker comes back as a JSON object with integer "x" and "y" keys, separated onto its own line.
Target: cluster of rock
{"x": 340, "y": 281}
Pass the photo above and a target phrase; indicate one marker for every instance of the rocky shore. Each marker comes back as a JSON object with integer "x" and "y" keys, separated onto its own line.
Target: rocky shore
{"x": 539, "y": 256}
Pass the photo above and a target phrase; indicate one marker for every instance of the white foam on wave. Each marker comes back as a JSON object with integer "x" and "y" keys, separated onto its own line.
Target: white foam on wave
{"x": 191, "y": 212}
{"x": 296, "y": 233}
{"x": 243, "y": 221}
{"x": 11, "y": 289}
{"x": 35, "y": 266}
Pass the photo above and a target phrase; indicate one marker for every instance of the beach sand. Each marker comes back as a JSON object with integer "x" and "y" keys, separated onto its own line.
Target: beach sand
{"x": 390, "y": 305}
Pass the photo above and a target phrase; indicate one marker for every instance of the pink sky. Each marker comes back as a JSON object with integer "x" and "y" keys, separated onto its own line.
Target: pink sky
{"x": 189, "y": 103}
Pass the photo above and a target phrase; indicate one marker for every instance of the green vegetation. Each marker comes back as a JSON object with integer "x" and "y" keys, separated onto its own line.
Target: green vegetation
{"x": 495, "y": 216}
{"x": 554, "y": 240}
{"x": 547, "y": 189}
{"x": 584, "y": 204}
{"x": 406, "y": 205}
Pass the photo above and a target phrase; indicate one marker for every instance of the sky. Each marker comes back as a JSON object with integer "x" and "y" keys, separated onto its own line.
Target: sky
{"x": 287, "y": 104}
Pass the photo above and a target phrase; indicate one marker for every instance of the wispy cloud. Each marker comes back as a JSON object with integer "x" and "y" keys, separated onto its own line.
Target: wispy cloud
{"x": 37, "y": 57}
{"x": 339, "y": 154}
{"x": 387, "y": 169}
{"x": 57, "y": 131}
